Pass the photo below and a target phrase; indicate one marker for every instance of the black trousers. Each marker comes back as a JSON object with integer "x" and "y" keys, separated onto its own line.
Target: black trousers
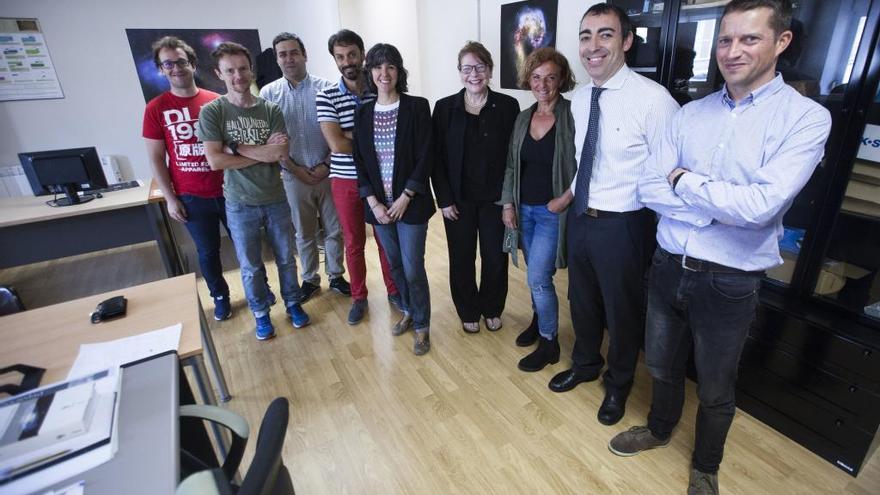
{"x": 480, "y": 219}
{"x": 608, "y": 259}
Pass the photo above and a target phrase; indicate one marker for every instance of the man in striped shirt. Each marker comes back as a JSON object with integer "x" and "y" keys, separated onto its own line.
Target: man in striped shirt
{"x": 305, "y": 173}
{"x": 619, "y": 121}
{"x": 335, "y": 107}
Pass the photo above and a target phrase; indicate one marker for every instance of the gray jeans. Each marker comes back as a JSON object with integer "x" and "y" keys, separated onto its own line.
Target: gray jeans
{"x": 307, "y": 204}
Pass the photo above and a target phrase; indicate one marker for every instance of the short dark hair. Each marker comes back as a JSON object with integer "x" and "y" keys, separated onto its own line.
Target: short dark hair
{"x": 288, "y": 37}
{"x": 230, "y": 48}
{"x": 538, "y": 58}
{"x": 476, "y": 49}
{"x": 345, "y": 37}
{"x": 173, "y": 42}
{"x": 780, "y": 17}
{"x": 626, "y": 26}
{"x": 384, "y": 53}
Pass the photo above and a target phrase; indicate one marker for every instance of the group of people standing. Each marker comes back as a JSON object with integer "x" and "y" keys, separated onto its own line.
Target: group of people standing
{"x": 577, "y": 183}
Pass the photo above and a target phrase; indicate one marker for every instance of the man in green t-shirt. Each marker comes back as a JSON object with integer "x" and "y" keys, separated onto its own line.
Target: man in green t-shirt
{"x": 244, "y": 135}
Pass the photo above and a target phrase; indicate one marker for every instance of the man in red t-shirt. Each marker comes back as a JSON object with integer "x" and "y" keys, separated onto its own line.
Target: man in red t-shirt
{"x": 193, "y": 192}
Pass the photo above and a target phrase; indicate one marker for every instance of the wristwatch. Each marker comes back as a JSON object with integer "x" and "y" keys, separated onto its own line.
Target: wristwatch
{"x": 234, "y": 147}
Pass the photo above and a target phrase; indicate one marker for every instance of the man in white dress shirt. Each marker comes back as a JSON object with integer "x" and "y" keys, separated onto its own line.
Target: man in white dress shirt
{"x": 619, "y": 118}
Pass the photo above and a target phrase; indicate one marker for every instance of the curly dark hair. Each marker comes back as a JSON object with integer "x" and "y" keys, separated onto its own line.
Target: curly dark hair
{"x": 540, "y": 57}
{"x": 173, "y": 42}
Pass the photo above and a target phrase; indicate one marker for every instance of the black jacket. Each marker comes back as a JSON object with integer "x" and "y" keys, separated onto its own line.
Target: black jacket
{"x": 496, "y": 119}
{"x": 413, "y": 159}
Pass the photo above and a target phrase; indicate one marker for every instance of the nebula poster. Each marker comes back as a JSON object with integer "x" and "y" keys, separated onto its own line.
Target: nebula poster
{"x": 203, "y": 41}
{"x": 525, "y": 27}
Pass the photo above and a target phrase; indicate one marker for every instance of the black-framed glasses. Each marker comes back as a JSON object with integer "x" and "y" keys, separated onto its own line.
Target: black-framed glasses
{"x": 467, "y": 69}
{"x": 169, "y": 64}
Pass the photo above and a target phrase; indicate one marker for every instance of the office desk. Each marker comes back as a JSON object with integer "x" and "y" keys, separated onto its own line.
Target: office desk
{"x": 49, "y": 337}
{"x": 147, "y": 460}
{"x": 31, "y": 231}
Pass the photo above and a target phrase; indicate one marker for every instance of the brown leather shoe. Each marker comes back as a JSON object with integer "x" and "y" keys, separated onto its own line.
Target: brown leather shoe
{"x": 403, "y": 325}
{"x": 422, "y": 341}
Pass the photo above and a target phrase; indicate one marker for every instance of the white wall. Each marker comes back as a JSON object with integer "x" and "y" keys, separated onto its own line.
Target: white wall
{"x": 103, "y": 103}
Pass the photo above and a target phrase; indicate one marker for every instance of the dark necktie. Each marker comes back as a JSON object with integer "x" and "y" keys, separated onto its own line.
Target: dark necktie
{"x": 585, "y": 167}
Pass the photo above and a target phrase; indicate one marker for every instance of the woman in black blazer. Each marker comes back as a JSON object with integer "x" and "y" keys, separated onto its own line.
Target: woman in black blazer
{"x": 471, "y": 133}
{"x": 392, "y": 155}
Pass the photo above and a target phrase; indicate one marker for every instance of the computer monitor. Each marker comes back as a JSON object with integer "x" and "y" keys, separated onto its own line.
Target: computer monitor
{"x": 64, "y": 171}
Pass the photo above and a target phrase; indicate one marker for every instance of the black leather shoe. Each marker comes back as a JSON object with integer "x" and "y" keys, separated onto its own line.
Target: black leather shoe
{"x": 569, "y": 379}
{"x": 546, "y": 353}
{"x": 530, "y": 335}
{"x": 612, "y": 408}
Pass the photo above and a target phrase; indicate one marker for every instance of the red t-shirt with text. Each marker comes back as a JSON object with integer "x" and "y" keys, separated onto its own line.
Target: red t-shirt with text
{"x": 174, "y": 120}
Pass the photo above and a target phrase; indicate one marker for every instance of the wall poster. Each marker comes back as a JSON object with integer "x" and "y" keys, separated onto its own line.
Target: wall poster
{"x": 203, "y": 42}
{"x": 525, "y": 27}
{"x": 26, "y": 69}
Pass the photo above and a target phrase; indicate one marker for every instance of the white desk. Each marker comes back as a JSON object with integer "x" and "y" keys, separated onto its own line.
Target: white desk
{"x": 32, "y": 231}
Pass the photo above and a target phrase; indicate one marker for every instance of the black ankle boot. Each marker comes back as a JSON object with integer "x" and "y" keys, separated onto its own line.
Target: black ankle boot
{"x": 530, "y": 334}
{"x": 546, "y": 353}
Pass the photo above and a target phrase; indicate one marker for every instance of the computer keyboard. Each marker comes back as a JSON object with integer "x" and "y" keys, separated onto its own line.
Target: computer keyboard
{"x": 118, "y": 186}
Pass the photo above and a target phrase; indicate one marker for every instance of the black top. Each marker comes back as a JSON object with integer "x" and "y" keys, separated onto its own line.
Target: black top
{"x": 450, "y": 130}
{"x": 475, "y": 170}
{"x": 537, "y": 168}
{"x": 413, "y": 158}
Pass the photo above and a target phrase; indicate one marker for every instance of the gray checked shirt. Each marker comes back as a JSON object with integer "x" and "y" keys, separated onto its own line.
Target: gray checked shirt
{"x": 307, "y": 145}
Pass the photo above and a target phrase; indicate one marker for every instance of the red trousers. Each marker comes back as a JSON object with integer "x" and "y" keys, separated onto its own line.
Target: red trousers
{"x": 350, "y": 209}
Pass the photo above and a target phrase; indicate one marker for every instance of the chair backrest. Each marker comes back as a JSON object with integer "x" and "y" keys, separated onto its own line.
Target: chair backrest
{"x": 9, "y": 301}
{"x": 267, "y": 474}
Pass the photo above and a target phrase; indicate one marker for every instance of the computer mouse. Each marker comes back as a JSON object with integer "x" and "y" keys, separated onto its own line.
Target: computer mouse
{"x": 99, "y": 195}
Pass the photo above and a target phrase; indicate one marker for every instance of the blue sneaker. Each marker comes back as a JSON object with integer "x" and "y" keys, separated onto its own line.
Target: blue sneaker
{"x": 265, "y": 330}
{"x": 222, "y": 308}
{"x": 298, "y": 315}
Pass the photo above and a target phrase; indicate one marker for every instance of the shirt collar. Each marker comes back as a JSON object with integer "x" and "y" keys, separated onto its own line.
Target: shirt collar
{"x": 617, "y": 80}
{"x": 302, "y": 84}
{"x": 757, "y": 96}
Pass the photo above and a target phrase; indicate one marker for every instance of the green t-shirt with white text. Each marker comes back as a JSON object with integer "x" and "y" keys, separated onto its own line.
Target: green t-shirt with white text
{"x": 220, "y": 120}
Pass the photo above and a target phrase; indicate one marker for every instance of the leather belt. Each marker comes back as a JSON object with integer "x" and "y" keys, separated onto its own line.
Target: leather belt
{"x": 592, "y": 212}
{"x": 698, "y": 265}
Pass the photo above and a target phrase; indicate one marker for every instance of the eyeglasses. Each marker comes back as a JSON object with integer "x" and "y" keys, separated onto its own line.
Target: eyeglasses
{"x": 467, "y": 69}
{"x": 169, "y": 64}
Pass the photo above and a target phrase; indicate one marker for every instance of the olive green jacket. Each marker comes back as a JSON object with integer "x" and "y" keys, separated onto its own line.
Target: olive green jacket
{"x": 564, "y": 168}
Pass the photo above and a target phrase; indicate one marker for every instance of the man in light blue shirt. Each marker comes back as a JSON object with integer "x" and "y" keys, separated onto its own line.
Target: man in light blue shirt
{"x": 729, "y": 168}
{"x": 307, "y": 166}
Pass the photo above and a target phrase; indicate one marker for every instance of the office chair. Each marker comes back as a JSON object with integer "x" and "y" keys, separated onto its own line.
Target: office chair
{"x": 9, "y": 301}
{"x": 267, "y": 474}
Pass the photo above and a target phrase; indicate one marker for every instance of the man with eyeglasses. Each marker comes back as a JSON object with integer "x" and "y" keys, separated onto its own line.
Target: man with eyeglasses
{"x": 305, "y": 176}
{"x": 619, "y": 117}
{"x": 193, "y": 192}
{"x": 244, "y": 136}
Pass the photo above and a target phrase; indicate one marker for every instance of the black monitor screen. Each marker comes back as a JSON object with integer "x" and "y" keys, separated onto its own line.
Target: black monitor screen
{"x": 52, "y": 171}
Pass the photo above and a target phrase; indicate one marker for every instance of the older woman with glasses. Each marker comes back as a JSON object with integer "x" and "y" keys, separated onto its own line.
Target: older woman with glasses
{"x": 471, "y": 133}
{"x": 391, "y": 147}
{"x": 535, "y": 195}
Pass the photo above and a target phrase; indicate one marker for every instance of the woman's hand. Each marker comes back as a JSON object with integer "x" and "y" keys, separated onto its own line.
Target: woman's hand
{"x": 558, "y": 205}
{"x": 508, "y": 216}
{"x": 398, "y": 207}
{"x": 381, "y": 214}
{"x": 450, "y": 212}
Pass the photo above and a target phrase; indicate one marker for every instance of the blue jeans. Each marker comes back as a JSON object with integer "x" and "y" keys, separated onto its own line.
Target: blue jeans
{"x": 204, "y": 216}
{"x": 540, "y": 232}
{"x": 245, "y": 224}
{"x": 405, "y": 249}
{"x": 709, "y": 311}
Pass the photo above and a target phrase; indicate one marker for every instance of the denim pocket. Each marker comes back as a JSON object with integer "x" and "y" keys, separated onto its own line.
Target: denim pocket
{"x": 233, "y": 207}
{"x": 735, "y": 286}
{"x": 186, "y": 198}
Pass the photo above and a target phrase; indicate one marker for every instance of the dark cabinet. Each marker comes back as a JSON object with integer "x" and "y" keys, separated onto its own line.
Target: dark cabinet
{"x": 811, "y": 365}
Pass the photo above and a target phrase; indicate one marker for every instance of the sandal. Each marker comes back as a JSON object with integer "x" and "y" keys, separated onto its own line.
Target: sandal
{"x": 470, "y": 326}
{"x": 494, "y": 324}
